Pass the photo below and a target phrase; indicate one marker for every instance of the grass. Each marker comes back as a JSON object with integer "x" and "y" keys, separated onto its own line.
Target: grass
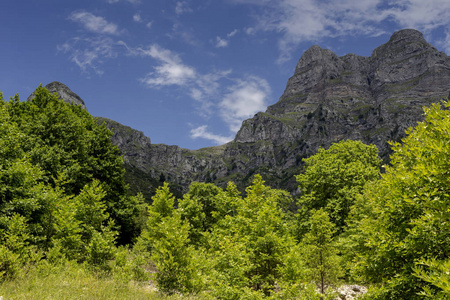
{"x": 72, "y": 281}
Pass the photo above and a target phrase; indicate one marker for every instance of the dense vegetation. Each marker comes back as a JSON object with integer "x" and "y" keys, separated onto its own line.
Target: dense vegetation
{"x": 65, "y": 216}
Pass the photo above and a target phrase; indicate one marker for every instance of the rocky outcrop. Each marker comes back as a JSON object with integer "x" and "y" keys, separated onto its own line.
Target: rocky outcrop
{"x": 149, "y": 165}
{"x": 328, "y": 99}
{"x": 63, "y": 92}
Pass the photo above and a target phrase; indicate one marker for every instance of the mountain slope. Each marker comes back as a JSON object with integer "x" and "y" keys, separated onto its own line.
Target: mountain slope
{"x": 331, "y": 98}
{"x": 328, "y": 99}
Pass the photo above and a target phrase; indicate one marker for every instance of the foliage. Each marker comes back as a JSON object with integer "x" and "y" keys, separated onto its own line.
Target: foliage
{"x": 319, "y": 251}
{"x": 404, "y": 219}
{"x": 61, "y": 186}
{"x": 167, "y": 239}
{"x": 198, "y": 206}
{"x": 437, "y": 274}
{"x": 64, "y": 205}
{"x": 333, "y": 177}
{"x": 248, "y": 248}
{"x": 71, "y": 150}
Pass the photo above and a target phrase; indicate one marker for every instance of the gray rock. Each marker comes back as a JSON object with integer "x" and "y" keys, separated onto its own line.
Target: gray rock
{"x": 328, "y": 99}
{"x": 63, "y": 92}
{"x": 350, "y": 292}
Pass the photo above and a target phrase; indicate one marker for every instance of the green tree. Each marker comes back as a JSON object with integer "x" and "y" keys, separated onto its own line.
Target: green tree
{"x": 167, "y": 238}
{"x": 402, "y": 220}
{"x": 198, "y": 206}
{"x": 333, "y": 177}
{"x": 37, "y": 213}
{"x": 71, "y": 150}
{"x": 248, "y": 247}
{"x": 320, "y": 252}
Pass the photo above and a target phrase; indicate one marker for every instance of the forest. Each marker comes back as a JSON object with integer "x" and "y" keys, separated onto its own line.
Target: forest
{"x": 69, "y": 229}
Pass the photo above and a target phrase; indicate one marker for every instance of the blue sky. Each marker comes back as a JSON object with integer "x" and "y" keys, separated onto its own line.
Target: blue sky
{"x": 189, "y": 72}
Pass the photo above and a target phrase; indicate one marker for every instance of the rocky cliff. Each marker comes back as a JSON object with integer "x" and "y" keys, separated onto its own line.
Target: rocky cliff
{"x": 331, "y": 98}
{"x": 328, "y": 99}
{"x": 63, "y": 92}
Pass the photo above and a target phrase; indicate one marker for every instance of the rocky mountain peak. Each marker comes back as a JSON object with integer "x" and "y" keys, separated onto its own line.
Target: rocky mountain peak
{"x": 331, "y": 98}
{"x": 407, "y": 36}
{"x": 63, "y": 92}
{"x": 314, "y": 57}
{"x": 314, "y": 65}
{"x": 401, "y": 43}
{"x": 328, "y": 99}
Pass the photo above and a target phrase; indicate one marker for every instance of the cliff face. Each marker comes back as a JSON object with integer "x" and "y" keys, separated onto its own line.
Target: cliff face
{"x": 328, "y": 99}
{"x": 63, "y": 92}
{"x": 331, "y": 98}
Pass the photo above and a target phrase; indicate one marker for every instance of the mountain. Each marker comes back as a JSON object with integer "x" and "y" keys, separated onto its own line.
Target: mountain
{"x": 63, "y": 92}
{"x": 328, "y": 99}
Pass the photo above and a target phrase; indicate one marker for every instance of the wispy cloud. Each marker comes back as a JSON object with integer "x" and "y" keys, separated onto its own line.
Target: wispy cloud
{"x": 221, "y": 43}
{"x": 224, "y": 42}
{"x": 170, "y": 71}
{"x": 89, "y": 53}
{"x": 231, "y": 99}
{"x": 184, "y": 33}
{"x": 182, "y": 7}
{"x": 92, "y": 48}
{"x": 203, "y": 133}
{"x": 94, "y": 23}
{"x": 309, "y": 20}
{"x": 243, "y": 100}
{"x": 137, "y": 18}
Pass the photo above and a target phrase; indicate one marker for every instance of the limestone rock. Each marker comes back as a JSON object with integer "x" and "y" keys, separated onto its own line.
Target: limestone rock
{"x": 350, "y": 292}
{"x": 328, "y": 99}
{"x": 63, "y": 92}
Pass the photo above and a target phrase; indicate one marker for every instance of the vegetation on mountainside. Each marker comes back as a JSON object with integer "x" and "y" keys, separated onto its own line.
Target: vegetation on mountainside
{"x": 64, "y": 211}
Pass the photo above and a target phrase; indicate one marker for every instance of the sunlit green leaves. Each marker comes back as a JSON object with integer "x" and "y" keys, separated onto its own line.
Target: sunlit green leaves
{"x": 404, "y": 219}
{"x": 333, "y": 178}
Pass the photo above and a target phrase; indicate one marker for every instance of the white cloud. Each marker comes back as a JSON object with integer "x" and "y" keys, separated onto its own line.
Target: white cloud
{"x": 224, "y": 42}
{"x": 221, "y": 43}
{"x": 94, "y": 23}
{"x": 137, "y": 18}
{"x": 170, "y": 71}
{"x": 310, "y": 20}
{"x": 89, "y": 53}
{"x": 425, "y": 15}
{"x": 240, "y": 101}
{"x": 243, "y": 100}
{"x": 181, "y": 32}
{"x": 149, "y": 25}
{"x": 182, "y": 7}
{"x": 202, "y": 132}
{"x": 233, "y": 33}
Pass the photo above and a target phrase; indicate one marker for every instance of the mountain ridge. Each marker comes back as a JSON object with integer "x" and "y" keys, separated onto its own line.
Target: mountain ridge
{"x": 329, "y": 98}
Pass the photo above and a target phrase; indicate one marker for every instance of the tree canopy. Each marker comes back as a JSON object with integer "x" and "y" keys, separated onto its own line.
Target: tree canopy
{"x": 399, "y": 229}
{"x": 334, "y": 176}
{"x": 61, "y": 178}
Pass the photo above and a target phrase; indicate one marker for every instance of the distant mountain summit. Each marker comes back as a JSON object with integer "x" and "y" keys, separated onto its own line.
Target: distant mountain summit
{"x": 328, "y": 99}
{"x": 374, "y": 99}
{"x": 63, "y": 92}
